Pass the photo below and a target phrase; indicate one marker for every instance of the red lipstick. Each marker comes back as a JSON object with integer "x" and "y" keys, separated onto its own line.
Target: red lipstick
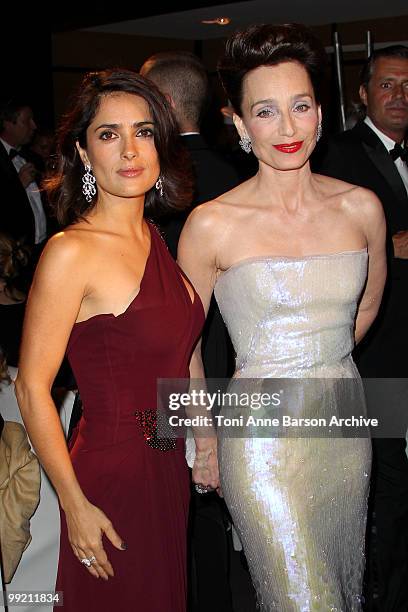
{"x": 291, "y": 147}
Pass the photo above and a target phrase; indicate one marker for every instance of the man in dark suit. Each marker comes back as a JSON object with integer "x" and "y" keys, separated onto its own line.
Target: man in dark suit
{"x": 183, "y": 79}
{"x": 372, "y": 155}
{"x": 21, "y": 213}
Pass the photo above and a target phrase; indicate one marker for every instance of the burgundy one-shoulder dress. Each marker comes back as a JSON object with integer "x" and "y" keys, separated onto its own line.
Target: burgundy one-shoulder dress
{"x": 144, "y": 491}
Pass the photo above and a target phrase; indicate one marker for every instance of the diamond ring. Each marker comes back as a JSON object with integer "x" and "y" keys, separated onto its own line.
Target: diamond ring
{"x": 202, "y": 489}
{"x": 88, "y": 562}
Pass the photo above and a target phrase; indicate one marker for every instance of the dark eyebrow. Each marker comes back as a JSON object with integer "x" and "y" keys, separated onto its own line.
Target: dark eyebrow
{"x": 392, "y": 78}
{"x": 115, "y": 126}
{"x": 269, "y": 100}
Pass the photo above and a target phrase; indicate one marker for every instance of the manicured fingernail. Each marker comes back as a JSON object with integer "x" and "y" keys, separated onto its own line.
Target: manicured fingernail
{"x": 123, "y": 546}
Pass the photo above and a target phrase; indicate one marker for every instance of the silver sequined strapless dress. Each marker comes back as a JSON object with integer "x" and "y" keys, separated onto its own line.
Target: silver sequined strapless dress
{"x": 299, "y": 504}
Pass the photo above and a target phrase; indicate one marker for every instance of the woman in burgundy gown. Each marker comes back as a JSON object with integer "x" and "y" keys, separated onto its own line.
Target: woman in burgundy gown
{"x": 108, "y": 293}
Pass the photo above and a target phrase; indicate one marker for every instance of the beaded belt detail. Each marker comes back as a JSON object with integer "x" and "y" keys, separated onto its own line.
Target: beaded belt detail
{"x": 150, "y": 421}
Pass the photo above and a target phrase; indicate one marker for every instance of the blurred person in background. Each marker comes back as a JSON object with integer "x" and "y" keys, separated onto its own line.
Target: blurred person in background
{"x": 22, "y": 209}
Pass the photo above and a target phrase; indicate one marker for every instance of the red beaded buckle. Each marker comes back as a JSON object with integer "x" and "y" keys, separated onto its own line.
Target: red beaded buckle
{"x": 150, "y": 421}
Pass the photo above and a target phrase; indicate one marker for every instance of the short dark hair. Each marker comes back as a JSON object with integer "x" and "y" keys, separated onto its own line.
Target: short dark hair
{"x": 65, "y": 187}
{"x": 10, "y": 107}
{"x": 268, "y": 45}
{"x": 183, "y": 76}
{"x": 400, "y": 51}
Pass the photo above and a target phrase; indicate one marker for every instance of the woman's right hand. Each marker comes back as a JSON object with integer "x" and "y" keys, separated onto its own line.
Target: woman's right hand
{"x": 205, "y": 469}
{"x": 86, "y": 526}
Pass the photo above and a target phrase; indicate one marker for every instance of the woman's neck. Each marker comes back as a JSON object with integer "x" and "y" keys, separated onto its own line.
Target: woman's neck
{"x": 121, "y": 215}
{"x": 288, "y": 188}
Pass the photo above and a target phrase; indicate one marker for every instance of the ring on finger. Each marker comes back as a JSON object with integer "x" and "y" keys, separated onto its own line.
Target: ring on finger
{"x": 86, "y": 561}
{"x": 202, "y": 489}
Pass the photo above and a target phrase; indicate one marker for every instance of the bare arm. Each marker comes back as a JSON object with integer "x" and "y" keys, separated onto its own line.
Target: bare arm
{"x": 52, "y": 309}
{"x": 197, "y": 258}
{"x": 53, "y": 305}
{"x": 198, "y": 249}
{"x": 372, "y": 219}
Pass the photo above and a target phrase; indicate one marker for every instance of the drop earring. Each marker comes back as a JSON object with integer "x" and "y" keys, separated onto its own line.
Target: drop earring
{"x": 88, "y": 187}
{"x": 246, "y": 144}
{"x": 159, "y": 186}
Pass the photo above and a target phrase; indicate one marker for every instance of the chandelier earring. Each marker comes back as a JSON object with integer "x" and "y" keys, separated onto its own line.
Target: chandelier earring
{"x": 88, "y": 187}
{"x": 246, "y": 144}
{"x": 159, "y": 186}
{"x": 319, "y": 132}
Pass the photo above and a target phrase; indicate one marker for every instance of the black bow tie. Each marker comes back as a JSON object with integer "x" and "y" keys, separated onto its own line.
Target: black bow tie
{"x": 13, "y": 153}
{"x": 399, "y": 151}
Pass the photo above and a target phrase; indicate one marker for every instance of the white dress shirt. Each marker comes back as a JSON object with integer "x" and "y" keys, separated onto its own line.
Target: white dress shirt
{"x": 389, "y": 145}
{"x": 34, "y": 197}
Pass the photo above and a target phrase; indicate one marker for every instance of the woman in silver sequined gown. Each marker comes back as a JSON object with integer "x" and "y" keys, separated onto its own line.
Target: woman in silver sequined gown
{"x": 297, "y": 263}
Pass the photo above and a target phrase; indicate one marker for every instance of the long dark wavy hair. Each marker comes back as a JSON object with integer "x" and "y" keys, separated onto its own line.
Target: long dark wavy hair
{"x": 64, "y": 188}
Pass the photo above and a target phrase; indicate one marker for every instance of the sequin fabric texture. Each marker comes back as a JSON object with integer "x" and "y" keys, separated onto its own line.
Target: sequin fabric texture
{"x": 299, "y": 504}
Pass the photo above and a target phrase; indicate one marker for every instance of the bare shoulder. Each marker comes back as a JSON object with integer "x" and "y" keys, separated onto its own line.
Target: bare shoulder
{"x": 207, "y": 221}
{"x": 64, "y": 247}
{"x": 363, "y": 204}
{"x": 215, "y": 216}
{"x": 65, "y": 253}
{"x": 354, "y": 200}
{"x": 332, "y": 187}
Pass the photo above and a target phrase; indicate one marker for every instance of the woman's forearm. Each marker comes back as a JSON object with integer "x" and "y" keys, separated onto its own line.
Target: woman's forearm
{"x": 364, "y": 320}
{"x": 44, "y": 428}
{"x": 205, "y": 435}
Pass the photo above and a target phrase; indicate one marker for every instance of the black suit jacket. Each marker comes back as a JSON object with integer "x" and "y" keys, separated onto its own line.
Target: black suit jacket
{"x": 213, "y": 176}
{"x": 16, "y": 215}
{"x": 358, "y": 156}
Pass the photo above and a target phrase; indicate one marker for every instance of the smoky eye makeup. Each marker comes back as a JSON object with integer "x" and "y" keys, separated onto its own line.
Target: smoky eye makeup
{"x": 301, "y": 107}
{"x": 267, "y": 111}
